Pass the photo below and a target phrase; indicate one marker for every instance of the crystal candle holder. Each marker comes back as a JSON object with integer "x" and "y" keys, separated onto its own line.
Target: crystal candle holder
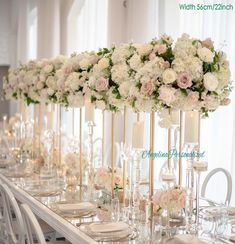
{"x": 199, "y": 167}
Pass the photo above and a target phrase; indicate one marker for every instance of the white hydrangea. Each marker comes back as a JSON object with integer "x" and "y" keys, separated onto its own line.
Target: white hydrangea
{"x": 135, "y": 62}
{"x": 121, "y": 53}
{"x": 144, "y": 49}
{"x": 120, "y": 73}
{"x": 184, "y": 47}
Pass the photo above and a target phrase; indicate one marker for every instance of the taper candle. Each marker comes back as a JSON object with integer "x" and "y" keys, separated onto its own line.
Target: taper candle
{"x": 191, "y": 127}
{"x": 89, "y": 112}
{"x": 138, "y": 135}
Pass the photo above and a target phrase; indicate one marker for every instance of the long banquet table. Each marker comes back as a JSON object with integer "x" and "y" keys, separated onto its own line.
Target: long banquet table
{"x": 61, "y": 225}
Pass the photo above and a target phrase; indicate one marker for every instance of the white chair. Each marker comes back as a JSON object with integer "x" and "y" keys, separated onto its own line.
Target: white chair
{"x": 34, "y": 232}
{"x": 14, "y": 227}
{"x": 229, "y": 184}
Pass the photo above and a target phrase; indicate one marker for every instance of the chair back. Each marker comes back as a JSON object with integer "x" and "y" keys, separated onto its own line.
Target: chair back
{"x": 229, "y": 184}
{"x": 33, "y": 229}
{"x": 12, "y": 217}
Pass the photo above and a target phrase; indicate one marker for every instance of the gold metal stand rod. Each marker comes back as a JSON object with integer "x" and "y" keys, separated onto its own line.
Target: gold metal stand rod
{"x": 169, "y": 150}
{"x": 180, "y": 148}
{"x": 40, "y": 128}
{"x": 59, "y": 128}
{"x": 124, "y": 161}
{"x": 103, "y": 135}
{"x": 199, "y": 135}
{"x": 81, "y": 142}
{"x": 151, "y": 160}
{"x": 113, "y": 150}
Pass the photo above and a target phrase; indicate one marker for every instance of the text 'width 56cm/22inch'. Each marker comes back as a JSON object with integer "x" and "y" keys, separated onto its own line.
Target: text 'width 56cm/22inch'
{"x": 212, "y": 7}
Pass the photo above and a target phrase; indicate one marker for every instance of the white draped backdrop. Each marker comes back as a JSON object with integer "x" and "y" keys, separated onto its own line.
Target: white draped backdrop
{"x": 48, "y": 28}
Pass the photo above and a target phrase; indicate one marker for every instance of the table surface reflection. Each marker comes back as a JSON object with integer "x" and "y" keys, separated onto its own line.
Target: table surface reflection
{"x": 44, "y": 207}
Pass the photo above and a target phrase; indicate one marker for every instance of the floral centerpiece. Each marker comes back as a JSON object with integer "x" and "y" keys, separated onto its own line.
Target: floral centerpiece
{"x": 172, "y": 199}
{"x": 103, "y": 179}
{"x": 188, "y": 75}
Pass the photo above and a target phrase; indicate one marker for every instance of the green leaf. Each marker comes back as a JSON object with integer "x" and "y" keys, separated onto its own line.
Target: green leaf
{"x": 93, "y": 99}
{"x": 184, "y": 92}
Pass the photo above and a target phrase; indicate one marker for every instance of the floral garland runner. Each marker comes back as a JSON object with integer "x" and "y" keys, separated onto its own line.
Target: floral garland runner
{"x": 146, "y": 77}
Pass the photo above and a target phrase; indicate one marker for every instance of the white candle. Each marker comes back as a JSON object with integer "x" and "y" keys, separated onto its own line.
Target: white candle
{"x": 89, "y": 112}
{"x": 138, "y": 135}
{"x": 175, "y": 117}
{"x": 191, "y": 127}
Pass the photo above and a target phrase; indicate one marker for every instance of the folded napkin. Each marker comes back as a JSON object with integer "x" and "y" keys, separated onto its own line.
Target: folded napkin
{"x": 185, "y": 239}
{"x": 108, "y": 227}
{"x": 76, "y": 206}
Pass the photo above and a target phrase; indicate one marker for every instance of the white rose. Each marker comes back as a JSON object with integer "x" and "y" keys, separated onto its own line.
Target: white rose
{"x": 84, "y": 63}
{"x": 103, "y": 63}
{"x": 169, "y": 76}
{"x": 205, "y": 54}
{"x": 144, "y": 49}
{"x": 51, "y": 82}
{"x": 210, "y": 82}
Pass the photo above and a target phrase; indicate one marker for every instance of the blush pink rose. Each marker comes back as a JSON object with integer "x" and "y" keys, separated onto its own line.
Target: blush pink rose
{"x": 164, "y": 64}
{"x": 152, "y": 56}
{"x": 101, "y": 84}
{"x": 184, "y": 80}
{"x": 117, "y": 179}
{"x": 147, "y": 87}
{"x": 208, "y": 43}
{"x": 193, "y": 97}
{"x": 94, "y": 59}
{"x": 68, "y": 69}
{"x": 160, "y": 48}
{"x": 102, "y": 172}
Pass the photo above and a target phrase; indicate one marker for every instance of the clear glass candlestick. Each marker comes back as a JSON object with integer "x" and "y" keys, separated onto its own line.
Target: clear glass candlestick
{"x": 189, "y": 186}
{"x": 127, "y": 157}
{"x": 48, "y": 171}
{"x": 137, "y": 153}
{"x": 199, "y": 167}
{"x": 91, "y": 170}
